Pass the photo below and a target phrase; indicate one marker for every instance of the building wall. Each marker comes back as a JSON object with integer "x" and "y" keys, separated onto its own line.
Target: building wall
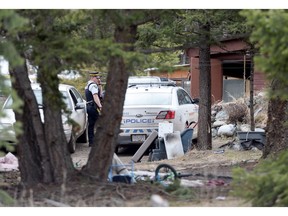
{"x": 260, "y": 82}
{"x": 180, "y": 72}
{"x": 216, "y": 79}
{"x": 228, "y": 47}
{"x": 232, "y": 50}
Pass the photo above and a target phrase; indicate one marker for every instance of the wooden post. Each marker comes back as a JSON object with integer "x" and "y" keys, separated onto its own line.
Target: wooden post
{"x": 252, "y": 123}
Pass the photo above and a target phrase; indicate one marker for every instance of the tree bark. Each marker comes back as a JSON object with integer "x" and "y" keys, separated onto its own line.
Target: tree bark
{"x": 56, "y": 143}
{"x": 204, "y": 140}
{"x": 108, "y": 124}
{"x": 31, "y": 152}
{"x": 277, "y": 128}
{"x": 43, "y": 153}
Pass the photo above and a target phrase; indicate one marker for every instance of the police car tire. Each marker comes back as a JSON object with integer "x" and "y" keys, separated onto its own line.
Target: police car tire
{"x": 84, "y": 137}
{"x": 72, "y": 143}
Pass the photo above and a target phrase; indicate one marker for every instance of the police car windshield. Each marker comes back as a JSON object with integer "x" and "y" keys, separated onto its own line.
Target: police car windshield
{"x": 147, "y": 98}
{"x": 38, "y": 96}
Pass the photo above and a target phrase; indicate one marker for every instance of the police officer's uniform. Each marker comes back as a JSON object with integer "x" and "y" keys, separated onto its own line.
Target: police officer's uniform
{"x": 92, "y": 111}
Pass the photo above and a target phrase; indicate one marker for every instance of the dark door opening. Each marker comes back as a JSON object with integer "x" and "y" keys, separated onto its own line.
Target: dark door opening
{"x": 234, "y": 84}
{"x": 236, "y": 69}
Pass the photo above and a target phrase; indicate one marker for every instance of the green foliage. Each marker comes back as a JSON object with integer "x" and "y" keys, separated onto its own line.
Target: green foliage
{"x": 181, "y": 192}
{"x": 17, "y": 126}
{"x": 10, "y": 23}
{"x": 184, "y": 193}
{"x": 162, "y": 61}
{"x": 6, "y": 91}
{"x": 5, "y": 85}
{"x": 6, "y": 199}
{"x": 266, "y": 185}
{"x": 270, "y": 33}
{"x": 79, "y": 84}
{"x": 177, "y": 30}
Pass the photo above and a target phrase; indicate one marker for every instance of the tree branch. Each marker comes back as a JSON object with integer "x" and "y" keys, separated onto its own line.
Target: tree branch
{"x": 161, "y": 49}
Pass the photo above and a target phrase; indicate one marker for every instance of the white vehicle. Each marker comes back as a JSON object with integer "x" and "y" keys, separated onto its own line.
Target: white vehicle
{"x": 135, "y": 80}
{"x": 5, "y": 83}
{"x": 75, "y": 104}
{"x": 146, "y": 106}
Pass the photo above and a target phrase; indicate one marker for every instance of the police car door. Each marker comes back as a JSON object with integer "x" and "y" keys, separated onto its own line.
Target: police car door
{"x": 188, "y": 109}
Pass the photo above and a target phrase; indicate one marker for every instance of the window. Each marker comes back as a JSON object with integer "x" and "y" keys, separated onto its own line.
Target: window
{"x": 183, "y": 97}
{"x": 147, "y": 98}
{"x": 77, "y": 95}
{"x": 73, "y": 97}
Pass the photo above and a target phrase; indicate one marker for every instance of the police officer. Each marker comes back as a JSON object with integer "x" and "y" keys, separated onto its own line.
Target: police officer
{"x": 92, "y": 93}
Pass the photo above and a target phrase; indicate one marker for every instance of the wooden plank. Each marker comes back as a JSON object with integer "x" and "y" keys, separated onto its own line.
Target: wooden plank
{"x": 139, "y": 154}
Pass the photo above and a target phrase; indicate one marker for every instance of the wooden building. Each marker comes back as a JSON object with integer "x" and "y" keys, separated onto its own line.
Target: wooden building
{"x": 230, "y": 71}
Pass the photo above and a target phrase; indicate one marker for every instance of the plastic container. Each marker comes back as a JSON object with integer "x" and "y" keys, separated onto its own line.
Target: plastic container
{"x": 260, "y": 136}
{"x": 186, "y": 138}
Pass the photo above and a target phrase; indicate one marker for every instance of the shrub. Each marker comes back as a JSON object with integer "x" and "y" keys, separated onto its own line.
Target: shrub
{"x": 266, "y": 185}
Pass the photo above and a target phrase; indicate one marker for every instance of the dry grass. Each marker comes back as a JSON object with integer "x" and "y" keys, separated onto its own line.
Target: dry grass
{"x": 198, "y": 159}
{"x": 78, "y": 193}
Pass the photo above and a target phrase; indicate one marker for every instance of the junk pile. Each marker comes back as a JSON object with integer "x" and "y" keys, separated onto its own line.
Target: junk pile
{"x": 119, "y": 172}
{"x": 232, "y": 119}
{"x": 169, "y": 144}
{"x": 166, "y": 175}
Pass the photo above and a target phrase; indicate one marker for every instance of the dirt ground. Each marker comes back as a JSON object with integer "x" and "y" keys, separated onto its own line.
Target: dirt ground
{"x": 211, "y": 168}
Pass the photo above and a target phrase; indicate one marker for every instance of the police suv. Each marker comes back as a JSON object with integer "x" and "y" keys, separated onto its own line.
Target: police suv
{"x": 148, "y": 104}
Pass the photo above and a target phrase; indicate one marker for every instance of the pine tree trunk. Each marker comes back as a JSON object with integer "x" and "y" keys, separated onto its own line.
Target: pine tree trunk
{"x": 56, "y": 143}
{"x": 108, "y": 124}
{"x": 277, "y": 128}
{"x": 31, "y": 150}
{"x": 204, "y": 140}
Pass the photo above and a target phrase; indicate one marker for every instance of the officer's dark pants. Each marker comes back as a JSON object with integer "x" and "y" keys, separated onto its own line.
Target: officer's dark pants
{"x": 92, "y": 118}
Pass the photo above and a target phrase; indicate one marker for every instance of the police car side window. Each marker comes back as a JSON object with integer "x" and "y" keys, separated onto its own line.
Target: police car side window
{"x": 183, "y": 97}
{"x": 73, "y": 97}
{"x": 188, "y": 99}
{"x": 180, "y": 97}
{"x": 77, "y": 95}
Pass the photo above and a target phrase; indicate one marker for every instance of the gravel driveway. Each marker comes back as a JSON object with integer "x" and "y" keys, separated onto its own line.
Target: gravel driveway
{"x": 80, "y": 157}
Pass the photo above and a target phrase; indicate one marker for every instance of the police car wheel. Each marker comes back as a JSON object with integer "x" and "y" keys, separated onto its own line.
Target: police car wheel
{"x": 84, "y": 137}
{"x": 72, "y": 143}
{"x": 116, "y": 150}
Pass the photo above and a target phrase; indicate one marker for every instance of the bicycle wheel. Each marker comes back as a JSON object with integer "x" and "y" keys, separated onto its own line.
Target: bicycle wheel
{"x": 165, "y": 174}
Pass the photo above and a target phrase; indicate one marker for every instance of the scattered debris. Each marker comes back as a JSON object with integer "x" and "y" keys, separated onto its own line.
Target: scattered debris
{"x": 220, "y": 198}
{"x": 227, "y": 130}
{"x": 158, "y": 201}
{"x": 216, "y": 182}
{"x": 219, "y": 151}
{"x": 8, "y": 163}
{"x": 119, "y": 172}
{"x": 250, "y": 144}
{"x": 237, "y": 114}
